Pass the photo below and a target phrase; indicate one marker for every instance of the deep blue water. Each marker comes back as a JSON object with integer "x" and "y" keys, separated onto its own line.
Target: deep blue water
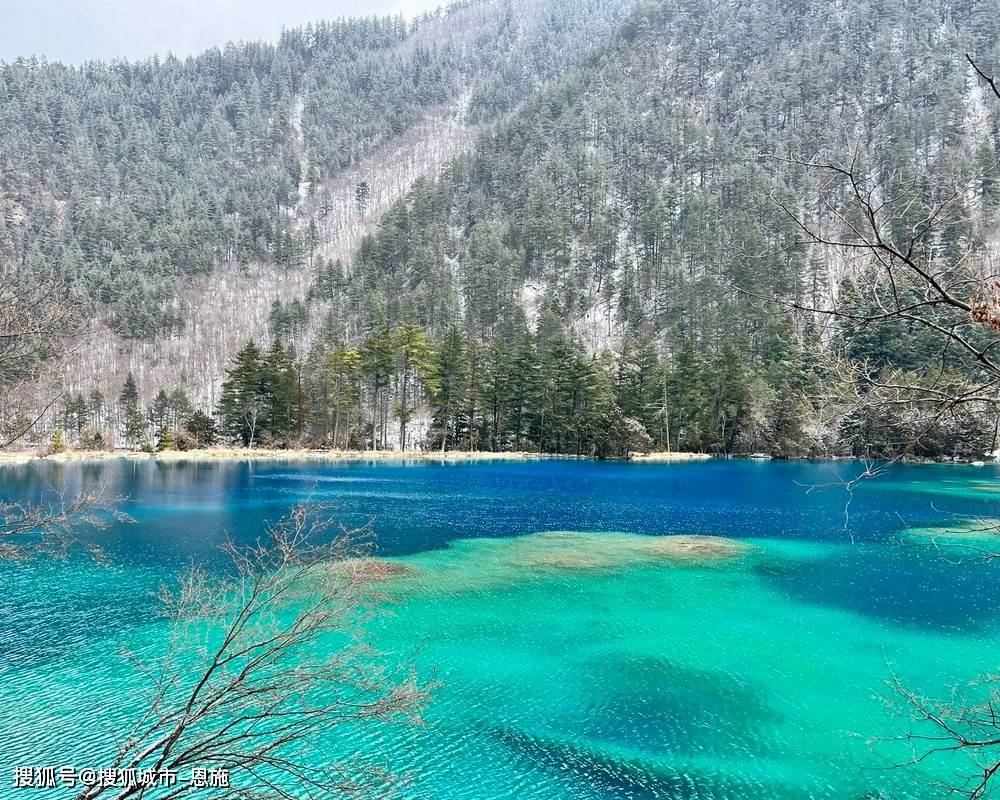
{"x": 185, "y": 508}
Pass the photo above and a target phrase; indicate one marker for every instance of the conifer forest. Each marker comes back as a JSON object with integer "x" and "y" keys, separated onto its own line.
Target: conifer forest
{"x": 564, "y": 227}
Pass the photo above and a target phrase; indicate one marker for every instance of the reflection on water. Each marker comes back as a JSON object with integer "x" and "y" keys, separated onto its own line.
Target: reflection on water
{"x": 590, "y": 656}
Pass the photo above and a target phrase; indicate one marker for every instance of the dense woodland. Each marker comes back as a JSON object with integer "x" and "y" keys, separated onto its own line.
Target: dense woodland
{"x": 611, "y": 268}
{"x": 523, "y": 390}
{"x": 119, "y": 180}
{"x": 643, "y": 199}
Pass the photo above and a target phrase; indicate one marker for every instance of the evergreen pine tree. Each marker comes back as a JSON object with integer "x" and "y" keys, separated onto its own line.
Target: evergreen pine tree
{"x": 134, "y": 425}
{"x": 243, "y": 397}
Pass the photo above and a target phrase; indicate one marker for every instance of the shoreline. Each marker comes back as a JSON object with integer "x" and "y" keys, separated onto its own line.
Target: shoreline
{"x": 241, "y": 454}
{"x": 15, "y": 458}
{"x": 665, "y": 458}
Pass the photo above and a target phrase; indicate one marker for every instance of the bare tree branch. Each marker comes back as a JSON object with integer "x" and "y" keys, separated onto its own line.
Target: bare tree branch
{"x": 989, "y": 79}
{"x": 265, "y": 665}
{"x": 37, "y": 325}
{"x": 52, "y": 529}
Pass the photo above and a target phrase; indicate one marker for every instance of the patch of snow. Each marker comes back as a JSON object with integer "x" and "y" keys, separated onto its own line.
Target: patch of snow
{"x": 531, "y": 300}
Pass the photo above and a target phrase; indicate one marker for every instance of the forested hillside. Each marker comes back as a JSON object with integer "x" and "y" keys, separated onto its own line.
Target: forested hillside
{"x": 122, "y": 181}
{"x": 636, "y": 193}
{"x": 639, "y": 206}
{"x": 607, "y": 267}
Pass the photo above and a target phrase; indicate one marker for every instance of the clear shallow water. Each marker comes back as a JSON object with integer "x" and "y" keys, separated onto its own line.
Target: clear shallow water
{"x": 584, "y": 673}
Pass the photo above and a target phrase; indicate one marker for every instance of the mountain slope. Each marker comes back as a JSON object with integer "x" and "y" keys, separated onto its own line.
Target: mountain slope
{"x": 635, "y": 196}
{"x": 605, "y": 256}
{"x": 173, "y": 199}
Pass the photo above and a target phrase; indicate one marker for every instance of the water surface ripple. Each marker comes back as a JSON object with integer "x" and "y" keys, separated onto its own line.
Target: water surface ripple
{"x": 577, "y": 656}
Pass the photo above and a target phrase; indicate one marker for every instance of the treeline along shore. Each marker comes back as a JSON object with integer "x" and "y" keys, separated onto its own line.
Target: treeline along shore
{"x": 269, "y": 454}
{"x": 399, "y": 389}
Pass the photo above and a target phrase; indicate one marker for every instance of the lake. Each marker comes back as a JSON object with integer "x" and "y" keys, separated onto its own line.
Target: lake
{"x": 567, "y": 667}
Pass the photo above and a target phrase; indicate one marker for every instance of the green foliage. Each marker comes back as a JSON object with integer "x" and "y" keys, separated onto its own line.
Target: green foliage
{"x": 450, "y": 371}
{"x": 377, "y": 364}
{"x": 413, "y": 363}
{"x": 920, "y": 428}
{"x": 623, "y": 197}
{"x": 786, "y": 434}
{"x": 203, "y": 430}
{"x": 262, "y": 399}
{"x": 244, "y": 396}
{"x": 134, "y": 424}
{"x": 75, "y": 415}
{"x": 337, "y": 395}
{"x": 165, "y": 440}
{"x": 94, "y": 439}
{"x": 638, "y": 198}
{"x": 282, "y": 393}
{"x": 621, "y": 207}
{"x": 58, "y": 444}
{"x": 118, "y": 181}
{"x": 549, "y": 394}
{"x": 288, "y": 320}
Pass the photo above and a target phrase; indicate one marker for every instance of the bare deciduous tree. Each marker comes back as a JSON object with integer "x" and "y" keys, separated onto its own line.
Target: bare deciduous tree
{"x": 35, "y": 324}
{"x": 966, "y": 723}
{"x": 265, "y": 665}
{"x": 38, "y": 326}
{"x": 892, "y": 238}
{"x": 30, "y": 531}
{"x": 893, "y": 242}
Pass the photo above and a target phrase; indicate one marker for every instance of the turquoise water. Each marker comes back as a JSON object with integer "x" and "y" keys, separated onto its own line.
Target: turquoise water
{"x": 581, "y": 664}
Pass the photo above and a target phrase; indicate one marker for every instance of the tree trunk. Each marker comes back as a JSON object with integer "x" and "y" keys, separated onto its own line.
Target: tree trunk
{"x": 402, "y": 413}
{"x": 444, "y": 427}
{"x": 336, "y": 418}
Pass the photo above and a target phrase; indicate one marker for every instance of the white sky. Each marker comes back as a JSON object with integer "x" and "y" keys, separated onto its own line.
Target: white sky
{"x": 78, "y": 30}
